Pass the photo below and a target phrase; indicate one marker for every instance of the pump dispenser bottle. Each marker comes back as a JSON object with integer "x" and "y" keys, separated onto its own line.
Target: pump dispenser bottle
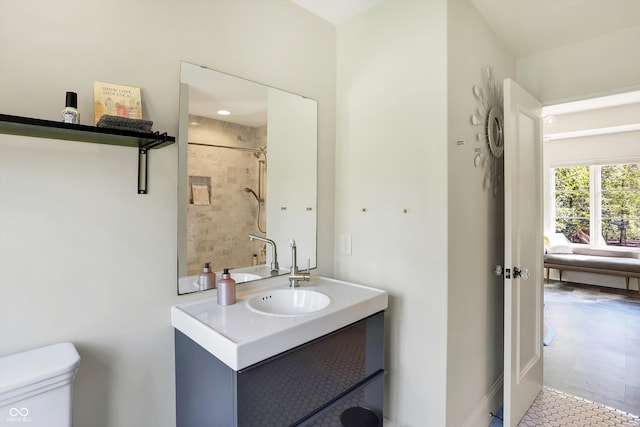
{"x": 226, "y": 289}
{"x": 207, "y": 279}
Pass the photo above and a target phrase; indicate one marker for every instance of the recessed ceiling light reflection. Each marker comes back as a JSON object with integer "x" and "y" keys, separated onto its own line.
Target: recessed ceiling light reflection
{"x": 223, "y": 112}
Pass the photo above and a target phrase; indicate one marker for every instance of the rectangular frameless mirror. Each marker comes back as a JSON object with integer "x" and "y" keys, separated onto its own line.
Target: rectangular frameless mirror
{"x": 247, "y": 166}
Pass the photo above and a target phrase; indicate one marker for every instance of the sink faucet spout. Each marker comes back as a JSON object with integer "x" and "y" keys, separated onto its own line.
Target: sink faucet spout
{"x": 274, "y": 251}
{"x": 296, "y": 274}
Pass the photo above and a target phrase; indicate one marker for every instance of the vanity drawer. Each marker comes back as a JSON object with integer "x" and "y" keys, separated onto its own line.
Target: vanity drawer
{"x": 292, "y": 385}
{"x": 370, "y": 395}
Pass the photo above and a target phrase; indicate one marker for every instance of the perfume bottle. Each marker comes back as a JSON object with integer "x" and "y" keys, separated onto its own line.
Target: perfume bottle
{"x": 70, "y": 113}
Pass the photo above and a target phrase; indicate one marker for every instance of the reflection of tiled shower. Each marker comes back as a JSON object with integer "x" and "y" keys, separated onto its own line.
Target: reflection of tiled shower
{"x": 219, "y": 232}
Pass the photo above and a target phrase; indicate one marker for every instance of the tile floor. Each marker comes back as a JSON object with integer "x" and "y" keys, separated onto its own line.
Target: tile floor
{"x": 595, "y": 353}
{"x": 555, "y": 408}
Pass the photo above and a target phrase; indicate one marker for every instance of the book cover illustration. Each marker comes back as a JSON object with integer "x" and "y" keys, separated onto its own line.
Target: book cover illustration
{"x": 116, "y": 100}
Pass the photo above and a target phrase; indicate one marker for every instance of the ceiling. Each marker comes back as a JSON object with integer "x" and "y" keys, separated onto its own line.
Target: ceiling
{"x": 525, "y": 26}
{"x": 336, "y": 11}
{"x": 596, "y": 116}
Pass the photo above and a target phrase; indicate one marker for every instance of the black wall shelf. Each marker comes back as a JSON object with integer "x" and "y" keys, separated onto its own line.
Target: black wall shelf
{"x": 26, "y": 126}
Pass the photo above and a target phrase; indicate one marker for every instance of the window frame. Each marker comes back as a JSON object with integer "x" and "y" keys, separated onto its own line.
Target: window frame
{"x": 596, "y": 240}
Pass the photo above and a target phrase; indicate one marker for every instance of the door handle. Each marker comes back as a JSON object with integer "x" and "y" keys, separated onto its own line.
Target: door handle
{"x": 524, "y": 273}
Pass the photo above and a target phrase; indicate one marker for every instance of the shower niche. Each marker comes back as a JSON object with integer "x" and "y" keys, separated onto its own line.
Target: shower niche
{"x": 200, "y": 190}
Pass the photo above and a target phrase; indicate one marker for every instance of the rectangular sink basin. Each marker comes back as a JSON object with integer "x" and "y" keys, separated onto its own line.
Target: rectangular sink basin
{"x": 240, "y": 335}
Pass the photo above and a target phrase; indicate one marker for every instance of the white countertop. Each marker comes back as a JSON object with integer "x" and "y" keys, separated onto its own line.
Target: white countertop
{"x": 241, "y": 337}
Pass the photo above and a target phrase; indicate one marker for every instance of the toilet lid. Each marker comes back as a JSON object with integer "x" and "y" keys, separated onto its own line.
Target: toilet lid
{"x": 20, "y": 369}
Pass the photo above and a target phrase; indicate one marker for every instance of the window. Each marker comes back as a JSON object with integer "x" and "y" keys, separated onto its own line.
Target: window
{"x": 573, "y": 203}
{"x": 620, "y": 204}
{"x": 598, "y": 205}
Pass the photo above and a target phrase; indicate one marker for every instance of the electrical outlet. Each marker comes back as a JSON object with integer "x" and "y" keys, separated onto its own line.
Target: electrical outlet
{"x": 345, "y": 244}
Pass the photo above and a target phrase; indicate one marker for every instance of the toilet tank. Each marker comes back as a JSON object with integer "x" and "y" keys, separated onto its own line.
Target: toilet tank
{"x": 35, "y": 386}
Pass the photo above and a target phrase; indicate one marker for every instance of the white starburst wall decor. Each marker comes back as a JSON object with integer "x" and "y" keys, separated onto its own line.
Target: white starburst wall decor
{"x": 489, "y": 117}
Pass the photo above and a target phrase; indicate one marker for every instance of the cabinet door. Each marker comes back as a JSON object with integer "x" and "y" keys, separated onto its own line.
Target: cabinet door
{"x": 290, "y": 387}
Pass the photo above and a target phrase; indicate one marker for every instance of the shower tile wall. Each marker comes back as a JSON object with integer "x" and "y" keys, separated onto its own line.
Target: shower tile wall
{"x": 219, "y": 232}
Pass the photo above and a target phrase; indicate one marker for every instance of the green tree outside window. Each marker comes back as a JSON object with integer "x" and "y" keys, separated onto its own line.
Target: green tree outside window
{"x": 619, "y": 199}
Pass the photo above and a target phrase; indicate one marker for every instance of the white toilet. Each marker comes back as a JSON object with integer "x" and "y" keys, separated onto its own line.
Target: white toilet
{"x": 35, "y": 386}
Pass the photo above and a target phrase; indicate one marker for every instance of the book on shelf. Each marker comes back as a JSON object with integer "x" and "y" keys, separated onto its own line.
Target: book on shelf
{"x": 116, "y": 100}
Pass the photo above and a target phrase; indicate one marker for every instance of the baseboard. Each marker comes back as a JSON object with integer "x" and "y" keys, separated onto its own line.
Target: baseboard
{"x": 387, "y": 423}
{"x": 480, "y": 416}
{"x": 490, "y": 403}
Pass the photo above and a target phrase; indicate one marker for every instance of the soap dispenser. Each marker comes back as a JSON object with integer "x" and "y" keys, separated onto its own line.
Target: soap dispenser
{"x": 207, "y": 279}
{"x": 226, "y": 289}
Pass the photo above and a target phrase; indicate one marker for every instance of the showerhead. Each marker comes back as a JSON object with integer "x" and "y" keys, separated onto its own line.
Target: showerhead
{"x": 248, "y": 190}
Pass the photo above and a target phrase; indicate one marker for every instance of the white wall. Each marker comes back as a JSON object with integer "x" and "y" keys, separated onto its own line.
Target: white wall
{"x": 476, "y": 228}
{"x": 391, "y": 153}
{"x": 601, "y": 65}
{"x": 85, "y": 259}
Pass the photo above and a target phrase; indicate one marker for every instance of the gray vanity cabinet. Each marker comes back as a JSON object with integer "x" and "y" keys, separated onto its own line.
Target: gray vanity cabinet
{"x": 309, "y": 385}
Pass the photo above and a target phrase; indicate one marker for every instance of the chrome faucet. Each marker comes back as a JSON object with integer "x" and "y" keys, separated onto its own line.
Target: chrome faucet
{"x": 296, "y": 274}
{"x": 275, "y": 268}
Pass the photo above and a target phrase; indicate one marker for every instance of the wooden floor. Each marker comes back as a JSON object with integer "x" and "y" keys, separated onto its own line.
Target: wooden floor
{"x": 595, "y": 353}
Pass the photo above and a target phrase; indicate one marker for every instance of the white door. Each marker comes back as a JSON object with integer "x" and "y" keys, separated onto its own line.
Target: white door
{"x": 523, "y": 256}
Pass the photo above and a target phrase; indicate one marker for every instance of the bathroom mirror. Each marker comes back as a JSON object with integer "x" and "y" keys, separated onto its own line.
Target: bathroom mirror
{"x": 247, "y": 166}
